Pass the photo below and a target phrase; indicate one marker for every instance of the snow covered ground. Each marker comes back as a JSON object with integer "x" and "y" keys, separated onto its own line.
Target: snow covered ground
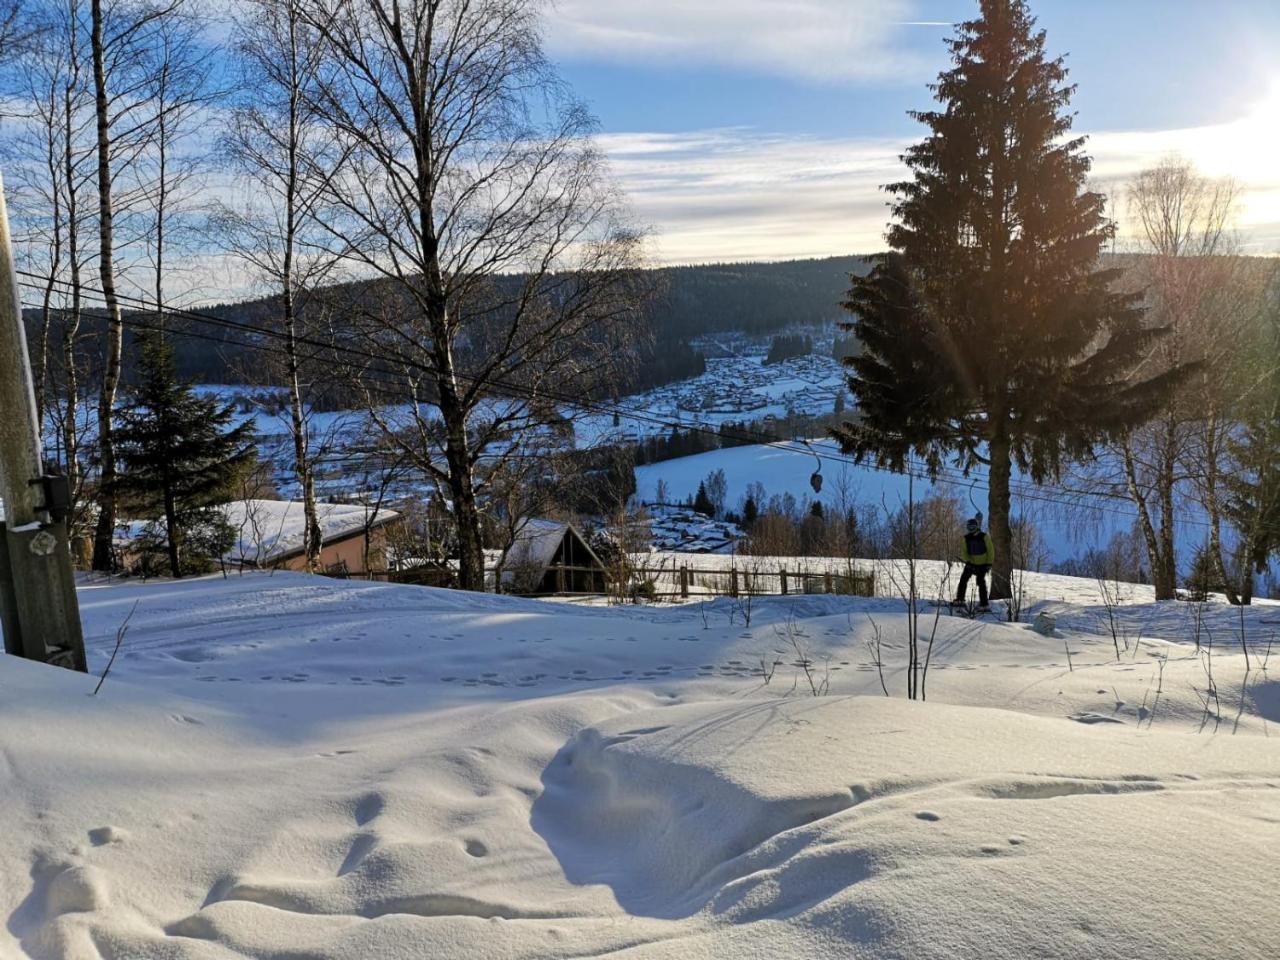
{"x": 1069, "y": 521}
{"x": 292, "y": 767}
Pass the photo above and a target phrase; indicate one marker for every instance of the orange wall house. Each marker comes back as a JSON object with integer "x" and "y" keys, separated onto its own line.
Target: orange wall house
{"x": 270, "y": 535}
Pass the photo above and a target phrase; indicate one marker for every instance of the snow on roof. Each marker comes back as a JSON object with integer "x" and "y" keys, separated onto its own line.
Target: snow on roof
{"x": 535, "y": 543}
{"x": 272, "y": 529}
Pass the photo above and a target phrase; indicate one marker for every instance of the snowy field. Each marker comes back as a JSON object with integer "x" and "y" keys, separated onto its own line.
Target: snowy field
{"x": 1070, "y": 522}
{"x": 292, "y": 767}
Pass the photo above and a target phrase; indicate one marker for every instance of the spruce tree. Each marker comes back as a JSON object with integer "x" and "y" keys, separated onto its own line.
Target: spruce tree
{"x": 990, "y": 335}
{"x": 702, "y": 501}
{"x": 180, "y": 457}
{"x": 1253, "y": 488}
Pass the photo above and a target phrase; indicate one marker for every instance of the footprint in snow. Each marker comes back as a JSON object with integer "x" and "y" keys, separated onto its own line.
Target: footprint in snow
{"x": 101, "y": 836}
{"x": 367, "y": 808}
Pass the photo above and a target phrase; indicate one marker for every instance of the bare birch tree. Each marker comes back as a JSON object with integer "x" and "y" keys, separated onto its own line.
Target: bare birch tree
{"x": 14, "y": 30}
{"x": 1187, "y": 265}
{"x": 284, "y": 158}
{"x": 122, "y": 36}
{"x": 474, "y": 192}
{"x": 176, "y": 67}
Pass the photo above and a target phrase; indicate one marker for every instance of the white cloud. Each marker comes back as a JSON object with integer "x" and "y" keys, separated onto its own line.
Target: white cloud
{"x": 735, "y": 194}
{"x": 821, "y": 40}
{"x": 1245, "y": 149}
{"x": 738, "y": 194}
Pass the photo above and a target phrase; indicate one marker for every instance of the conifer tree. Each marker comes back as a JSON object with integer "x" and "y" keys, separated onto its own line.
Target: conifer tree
{"x": 702, "y": 501}
{"x": 180, "y": 457}
{"x": 990, "y": 335}
{"x": 1253, "y": 488}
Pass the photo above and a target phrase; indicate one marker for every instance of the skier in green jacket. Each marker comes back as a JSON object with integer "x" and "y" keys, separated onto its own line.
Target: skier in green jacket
{"x": 978, "y": 555}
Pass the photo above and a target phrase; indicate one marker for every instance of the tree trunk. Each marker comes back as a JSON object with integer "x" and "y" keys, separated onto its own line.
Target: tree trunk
{"x": 1165, "y": 575}
{"x": 171, "y": 534}
{"x": 998, "y": 518}
{"x": 40, "y": 373}
{"x": 1211, "y": 505}
{"x": 313, "y": 538}
{"x": 103, "y": 553}
{"x": 1246, "y": 584}
{"x": 162, "y": 197}
{"x": 71, "y": 327}
{"x": 1153, "y": 540}
{"x": 466, "y": 514}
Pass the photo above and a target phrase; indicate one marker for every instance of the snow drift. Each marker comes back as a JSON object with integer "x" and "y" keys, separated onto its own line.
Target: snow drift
{"x": 291, "y": 767}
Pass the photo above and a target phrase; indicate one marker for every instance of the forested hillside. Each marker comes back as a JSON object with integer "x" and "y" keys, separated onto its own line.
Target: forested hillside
{"x": 757, "y": 298}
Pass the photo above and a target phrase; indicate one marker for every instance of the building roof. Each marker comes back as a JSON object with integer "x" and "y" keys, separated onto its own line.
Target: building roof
{"x": 271, "y": 530}
{"x": 536, "y": 542}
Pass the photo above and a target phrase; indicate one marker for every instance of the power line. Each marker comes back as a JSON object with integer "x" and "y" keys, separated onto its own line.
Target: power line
{"x": 945, "y": 475}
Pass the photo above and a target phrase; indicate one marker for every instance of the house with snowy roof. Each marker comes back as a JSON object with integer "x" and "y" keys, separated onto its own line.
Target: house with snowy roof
{"x": 270, "y": 534}
{"x": 550, "y": 557}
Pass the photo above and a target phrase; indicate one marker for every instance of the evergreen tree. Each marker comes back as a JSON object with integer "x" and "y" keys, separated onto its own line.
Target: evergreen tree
{"x": 702, "y": 502}
{"x": 750, "y": 511}
{"x": 180, "y": 456}
{"x": 1254, "y": 486}
{"x": 990, "y": 335}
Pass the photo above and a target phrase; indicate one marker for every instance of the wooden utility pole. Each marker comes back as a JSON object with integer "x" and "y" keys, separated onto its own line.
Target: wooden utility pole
{"x": 38, "y": 609}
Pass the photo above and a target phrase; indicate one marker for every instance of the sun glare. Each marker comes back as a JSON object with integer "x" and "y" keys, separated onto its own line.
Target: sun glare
{"x": 1247, "y": 149}
{"x": 1251, "y": 145}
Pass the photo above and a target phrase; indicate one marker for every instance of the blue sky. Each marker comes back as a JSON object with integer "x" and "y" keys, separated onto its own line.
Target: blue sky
{"x": 763, "y": 128}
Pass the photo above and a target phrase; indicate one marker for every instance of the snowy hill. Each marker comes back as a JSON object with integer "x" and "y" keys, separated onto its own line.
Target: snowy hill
{"x": 1069, "y": 522}
{"x": 283, "y": 766}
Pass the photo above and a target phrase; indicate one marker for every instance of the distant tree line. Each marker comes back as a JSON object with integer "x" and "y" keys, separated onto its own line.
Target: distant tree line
{"x": 731, "y": 433}
{"x": 756, "y": 298}
{"x": 845, "y": 346}
{"x": 788, "y": 345}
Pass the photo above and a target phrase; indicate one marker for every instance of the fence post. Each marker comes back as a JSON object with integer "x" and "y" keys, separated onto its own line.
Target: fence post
{"x": 733, "y": 582}
{"x": 784, "y": 581}
{"x": 826, "y": 581}
{"x": 684, "y": 581}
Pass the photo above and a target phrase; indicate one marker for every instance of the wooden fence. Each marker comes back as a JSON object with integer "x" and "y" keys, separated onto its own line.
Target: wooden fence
{"x": 684, "y": 581}
{"x": 669, "y": 581}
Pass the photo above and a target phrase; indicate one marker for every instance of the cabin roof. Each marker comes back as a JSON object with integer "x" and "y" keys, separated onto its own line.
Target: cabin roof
{"x": 272, "y": 530}
{"x": 536, "y": 542}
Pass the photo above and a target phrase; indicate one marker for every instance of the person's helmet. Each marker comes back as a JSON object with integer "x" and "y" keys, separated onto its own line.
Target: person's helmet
{"x": 973, "y": 526}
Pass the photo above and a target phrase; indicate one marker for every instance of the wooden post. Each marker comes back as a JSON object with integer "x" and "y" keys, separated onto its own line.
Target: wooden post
{"x": 826, "y": 581}
{"x": 42, "y": 614}
{"x": 733, "y": 582}
{"x": 684, "y": 581}
{"x": 784, "y": 581}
